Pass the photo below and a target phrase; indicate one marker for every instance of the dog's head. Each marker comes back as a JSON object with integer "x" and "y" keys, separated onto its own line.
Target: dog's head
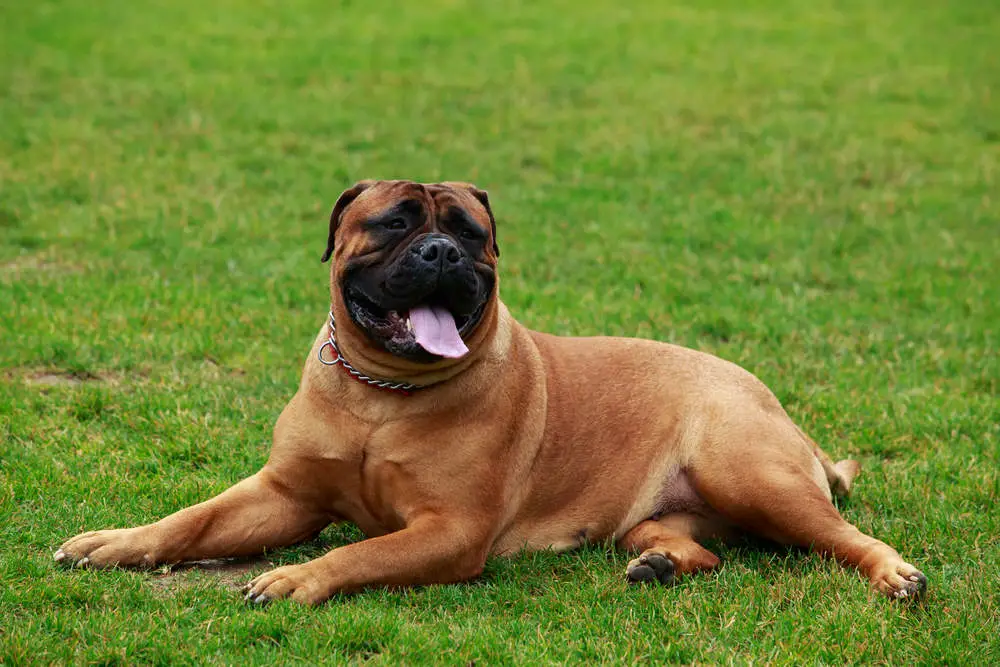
{"x": 414, "y": 266}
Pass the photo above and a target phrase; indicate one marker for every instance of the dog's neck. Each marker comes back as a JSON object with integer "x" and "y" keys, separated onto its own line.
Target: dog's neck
{"x": 333, "y": 357}
{"x": 363, "y": 362}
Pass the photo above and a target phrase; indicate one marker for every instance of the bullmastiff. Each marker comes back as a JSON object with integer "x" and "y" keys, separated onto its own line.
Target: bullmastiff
{"x": 448, "y": 432}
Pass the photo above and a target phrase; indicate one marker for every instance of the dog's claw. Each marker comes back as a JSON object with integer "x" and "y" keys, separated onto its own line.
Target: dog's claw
{"x": 254, "y": 598}
{"x": 911, "y": 586}
{"x": 82, "y": 562}
{"x": 59, "y": 555}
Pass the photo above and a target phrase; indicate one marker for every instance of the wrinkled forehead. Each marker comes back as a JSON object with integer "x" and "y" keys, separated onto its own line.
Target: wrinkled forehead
{"x": 435, "y": 199}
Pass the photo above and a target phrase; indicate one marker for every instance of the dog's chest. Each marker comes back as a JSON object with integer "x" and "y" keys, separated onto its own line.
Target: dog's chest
{"x": 381, "y": 491}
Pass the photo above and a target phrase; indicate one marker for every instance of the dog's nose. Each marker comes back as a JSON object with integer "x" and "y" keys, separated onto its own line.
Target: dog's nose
{"x": 438, "y": 251}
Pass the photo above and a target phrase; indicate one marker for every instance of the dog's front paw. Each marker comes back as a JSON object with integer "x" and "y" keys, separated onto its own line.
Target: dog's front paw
{"x": 298, "y": 582}
{"x": 651, "y": 566}
{"x": 125, "y": 547}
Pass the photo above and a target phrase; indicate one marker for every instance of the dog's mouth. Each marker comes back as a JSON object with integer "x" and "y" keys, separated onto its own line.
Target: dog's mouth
{"x": 422, "y": 332}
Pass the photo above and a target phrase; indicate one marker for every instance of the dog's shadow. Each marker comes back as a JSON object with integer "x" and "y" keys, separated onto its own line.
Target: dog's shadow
{"x": 233, "y": 573}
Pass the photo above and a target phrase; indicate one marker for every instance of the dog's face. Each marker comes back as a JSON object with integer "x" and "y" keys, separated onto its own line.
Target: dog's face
{"x": 414, "y": 264}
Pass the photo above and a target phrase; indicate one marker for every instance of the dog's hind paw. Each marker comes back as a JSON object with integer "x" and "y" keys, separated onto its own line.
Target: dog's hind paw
{"x": 651, "y": 567}
{"x": 900, "y": 581}
{"x": 913, "y": 588}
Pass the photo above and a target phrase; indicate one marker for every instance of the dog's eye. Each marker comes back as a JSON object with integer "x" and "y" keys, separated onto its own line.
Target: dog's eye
{"x": 396, "y": 224}
{"x": 467, "y": 234}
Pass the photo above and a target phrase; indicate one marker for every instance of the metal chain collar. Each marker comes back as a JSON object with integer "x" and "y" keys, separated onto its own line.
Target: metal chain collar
{"x": 401, "y": 387}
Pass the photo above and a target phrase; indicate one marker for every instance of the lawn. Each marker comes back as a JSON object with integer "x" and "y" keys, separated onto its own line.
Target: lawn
{"x": 807, "y": 188}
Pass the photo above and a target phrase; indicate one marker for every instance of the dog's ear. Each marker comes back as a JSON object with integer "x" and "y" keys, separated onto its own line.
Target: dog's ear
{"x": 484, "y": 199}
{"x": 343, "y": 202}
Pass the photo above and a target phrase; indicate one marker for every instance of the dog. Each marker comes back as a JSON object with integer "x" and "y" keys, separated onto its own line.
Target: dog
{"x": 448, "y": 432}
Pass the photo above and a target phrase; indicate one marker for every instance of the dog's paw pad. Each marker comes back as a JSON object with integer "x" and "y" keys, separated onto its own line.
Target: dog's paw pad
{"x": 651, "y": 567}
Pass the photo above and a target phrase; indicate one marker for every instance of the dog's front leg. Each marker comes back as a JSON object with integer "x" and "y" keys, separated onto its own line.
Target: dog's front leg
{"x": 432, "y": 549}
{"x": 255, "y": 514}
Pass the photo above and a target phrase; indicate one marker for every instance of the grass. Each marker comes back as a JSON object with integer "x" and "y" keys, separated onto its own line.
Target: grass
{"x": 809, "y": 189}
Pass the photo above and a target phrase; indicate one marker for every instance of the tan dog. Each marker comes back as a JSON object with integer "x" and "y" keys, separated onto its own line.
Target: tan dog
{"x": 448, "y": 432}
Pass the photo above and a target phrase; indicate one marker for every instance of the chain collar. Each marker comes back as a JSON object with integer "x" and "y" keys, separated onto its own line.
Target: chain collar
{"x": 404, "y": 388}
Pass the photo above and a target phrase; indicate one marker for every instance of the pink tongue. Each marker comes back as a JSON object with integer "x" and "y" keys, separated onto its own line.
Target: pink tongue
{"x": 435, "y": 331}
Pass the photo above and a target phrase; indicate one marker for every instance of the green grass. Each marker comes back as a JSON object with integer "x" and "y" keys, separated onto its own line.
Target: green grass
{"x": 809, "y": 189}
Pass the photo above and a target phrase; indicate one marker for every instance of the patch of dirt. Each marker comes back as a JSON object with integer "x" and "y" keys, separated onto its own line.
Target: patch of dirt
{"x": 35, "y": 264}
{"x": 59, "y": 378}
{"x": 231, "y": 573}
{"x": 215, "y": 370}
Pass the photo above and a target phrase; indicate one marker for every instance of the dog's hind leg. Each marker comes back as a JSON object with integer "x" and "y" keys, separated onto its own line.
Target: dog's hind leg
{"x": 668, "y": 548}
{"x": 770, "y": 485}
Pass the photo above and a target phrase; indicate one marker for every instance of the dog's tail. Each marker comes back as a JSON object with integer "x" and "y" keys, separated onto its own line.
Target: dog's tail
{"x": 839, "y": 475}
